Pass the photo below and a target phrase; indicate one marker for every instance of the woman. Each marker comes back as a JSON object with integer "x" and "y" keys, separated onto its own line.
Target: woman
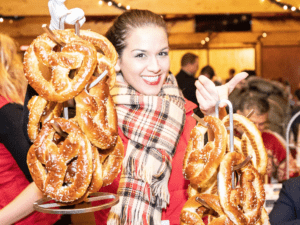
{"x": 14, "y": 174}
{"x": 154, "y": 122}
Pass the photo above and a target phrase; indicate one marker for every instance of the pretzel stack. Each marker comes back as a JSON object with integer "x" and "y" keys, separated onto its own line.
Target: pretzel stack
{"x": 226, "y": 186}
{"x": 71, "y": 158}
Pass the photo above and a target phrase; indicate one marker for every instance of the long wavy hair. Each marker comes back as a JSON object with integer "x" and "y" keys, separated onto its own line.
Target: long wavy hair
{"x": 13, "y": 83}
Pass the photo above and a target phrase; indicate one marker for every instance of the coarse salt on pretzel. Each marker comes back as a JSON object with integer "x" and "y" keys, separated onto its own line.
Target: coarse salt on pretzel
{"x": 250, "y": 213}
{"x": 40, "y": 112}
{"x": 253, "y": 141}
{"x": 200, "y": 164}
{"x": 106, "y": 166}
{"x": 193, "y": 211}
{"x": 48, "y": 161}
{"x": 97, "y": 116}
{"x": 76, "y": 54}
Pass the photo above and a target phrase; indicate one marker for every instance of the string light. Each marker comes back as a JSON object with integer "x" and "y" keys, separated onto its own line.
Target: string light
{"x": 115, "y": 4}
{"x": 286, "y": 6}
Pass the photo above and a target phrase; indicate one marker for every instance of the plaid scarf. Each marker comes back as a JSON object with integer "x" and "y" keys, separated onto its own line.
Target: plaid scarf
{"x": 153, "y": 125}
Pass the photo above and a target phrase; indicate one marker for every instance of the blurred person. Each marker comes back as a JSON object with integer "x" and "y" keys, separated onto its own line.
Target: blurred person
{"x": 286, "y": 208}
{"x": 231, "y": 74}
{"x": 209, "y": 72}
{"x": 274, "y": 143}
{"x": 186, "y": 76}
{"x": 14, "y": 174}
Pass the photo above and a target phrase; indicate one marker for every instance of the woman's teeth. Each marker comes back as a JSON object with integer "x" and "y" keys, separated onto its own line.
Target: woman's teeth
{"x": 151, "y": 79}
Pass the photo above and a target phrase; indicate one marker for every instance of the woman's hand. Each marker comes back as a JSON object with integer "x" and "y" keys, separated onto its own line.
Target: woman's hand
{"x": 208, "y": 94}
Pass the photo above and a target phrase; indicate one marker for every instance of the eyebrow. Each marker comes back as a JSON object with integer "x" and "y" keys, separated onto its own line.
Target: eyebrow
{"x": 141, "y": 50}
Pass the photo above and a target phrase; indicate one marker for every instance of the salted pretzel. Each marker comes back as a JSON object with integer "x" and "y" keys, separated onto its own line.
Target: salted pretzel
{"x": 252, "y": 143}
{"x": 193, "y": 211}
{"x": 40, "y": 112}
{"x": 201, "y": 163}
{"x": 106, "y": 56}
{"x": 48, "y": 161}
{"x": 106, "y": 167}
{"x": 44, "y": 53}
{"x": 250, "y": 211}
{"x": 97, "y": 116}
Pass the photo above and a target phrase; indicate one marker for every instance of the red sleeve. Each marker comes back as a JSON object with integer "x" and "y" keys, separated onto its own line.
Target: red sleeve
{"x": 273, "y": 144}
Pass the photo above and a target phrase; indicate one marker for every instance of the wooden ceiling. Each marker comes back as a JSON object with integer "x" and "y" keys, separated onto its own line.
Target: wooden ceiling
{"x": 282, "y": 26}
{"x": 166, "y": 7}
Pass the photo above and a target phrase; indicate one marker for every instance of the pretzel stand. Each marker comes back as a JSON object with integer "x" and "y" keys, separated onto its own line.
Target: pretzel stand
{"x": 239, "y": 197}
{"x": 60, "y": 15}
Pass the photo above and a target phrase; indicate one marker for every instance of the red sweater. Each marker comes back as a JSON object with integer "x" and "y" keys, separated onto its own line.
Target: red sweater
{"x": 13, "y": 182}
{"x": 177, "y": 183}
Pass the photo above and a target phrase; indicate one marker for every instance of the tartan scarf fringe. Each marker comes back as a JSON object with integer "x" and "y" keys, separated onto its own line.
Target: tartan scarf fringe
{"x": 143, "y": 189}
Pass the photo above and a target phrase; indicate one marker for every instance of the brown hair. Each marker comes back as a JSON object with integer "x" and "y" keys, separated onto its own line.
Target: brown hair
{"x": 254, "y": 101}
{"x": 130, "y": 19}
{"x": 13, "y": 83}
{"x": 188, "y": 58}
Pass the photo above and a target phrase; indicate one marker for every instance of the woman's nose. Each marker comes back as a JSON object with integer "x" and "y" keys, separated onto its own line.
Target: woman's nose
{"x": 154, "y": 65}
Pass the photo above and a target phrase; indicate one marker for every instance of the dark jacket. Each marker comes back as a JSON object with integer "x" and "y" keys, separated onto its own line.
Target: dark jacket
{"x": 187, "y": 85}
{"x": 286, "y": 209}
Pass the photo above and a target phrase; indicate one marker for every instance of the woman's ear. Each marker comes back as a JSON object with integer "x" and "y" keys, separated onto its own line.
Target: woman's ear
{"x": 117, "y": 66}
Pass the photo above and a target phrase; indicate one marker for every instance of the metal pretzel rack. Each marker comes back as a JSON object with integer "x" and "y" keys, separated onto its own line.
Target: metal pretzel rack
{"x": 231, "y": 134}
{"x": 288, "y": 129}
{"x": 45, "y": 206}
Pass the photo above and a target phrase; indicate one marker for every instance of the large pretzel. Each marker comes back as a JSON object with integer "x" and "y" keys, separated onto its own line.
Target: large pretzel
{"x": 48, "y": 161}
{"x": 250, "y": 211}
{"x": 107, "y": 55}
{"x": 252, "y": 143}
{"x": 40, "y": 112}
{"x": 97, "y": 116}
{"x": 106, "y": 167}
{"x": 201, "y": 164}
{"x": 44, "y": 53}
{"x": 193, "y": 211}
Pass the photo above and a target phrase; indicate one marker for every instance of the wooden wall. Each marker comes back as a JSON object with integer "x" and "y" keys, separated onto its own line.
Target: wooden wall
{"x": 282, "y": 62}
{"x": 220, "y": 59}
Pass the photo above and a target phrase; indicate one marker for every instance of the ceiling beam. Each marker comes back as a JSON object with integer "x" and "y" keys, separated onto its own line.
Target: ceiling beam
{"x": 179, "y": 7}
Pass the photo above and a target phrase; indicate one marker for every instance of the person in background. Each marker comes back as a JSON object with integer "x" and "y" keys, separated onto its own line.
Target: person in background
{"x": 286, "y": 209}
{"x": 209, "y": 72}
{"x": 186, "y": 77}
{"x": 150, "y": 185}
{"x": 14, "y": 174}
{"x": 231, "y": 74}
{"x": 274, "y": 143}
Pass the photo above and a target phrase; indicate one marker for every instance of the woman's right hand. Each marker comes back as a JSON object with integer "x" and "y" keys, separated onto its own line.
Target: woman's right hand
{"x": 208, "y": 94}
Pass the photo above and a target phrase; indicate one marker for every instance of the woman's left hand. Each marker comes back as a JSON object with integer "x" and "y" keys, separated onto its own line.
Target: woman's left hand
{"x": 208, "y": 94}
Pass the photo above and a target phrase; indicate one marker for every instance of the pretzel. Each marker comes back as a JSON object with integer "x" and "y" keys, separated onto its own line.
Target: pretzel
{"x": 106, "y": 167}
{"x": 193, "y": 211}
{"x": 40, "y": 112}
{"x": 111, "y": 160}
{"x": 200, "y": 164}
{"x": 97, "y": 116}
{"x": 251, "y": 209}
{"x": 252, "y": 143}
{"x": 43, "y": 53}
{"x": 107, "y": 58}
{"x": 211, "y": 187}
{"x": 48, "y": 161}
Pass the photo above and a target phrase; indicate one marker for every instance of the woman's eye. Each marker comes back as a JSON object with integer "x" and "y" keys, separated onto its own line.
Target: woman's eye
{"x": 140, "y": 55}
{"x": 164, "y": 53}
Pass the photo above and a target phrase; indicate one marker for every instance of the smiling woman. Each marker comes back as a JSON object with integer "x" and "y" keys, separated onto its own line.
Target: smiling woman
{"x": 149, "y": 60}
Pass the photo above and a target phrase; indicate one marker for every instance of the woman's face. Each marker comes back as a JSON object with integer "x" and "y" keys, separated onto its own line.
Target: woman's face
{"x": 145, "y": 60}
